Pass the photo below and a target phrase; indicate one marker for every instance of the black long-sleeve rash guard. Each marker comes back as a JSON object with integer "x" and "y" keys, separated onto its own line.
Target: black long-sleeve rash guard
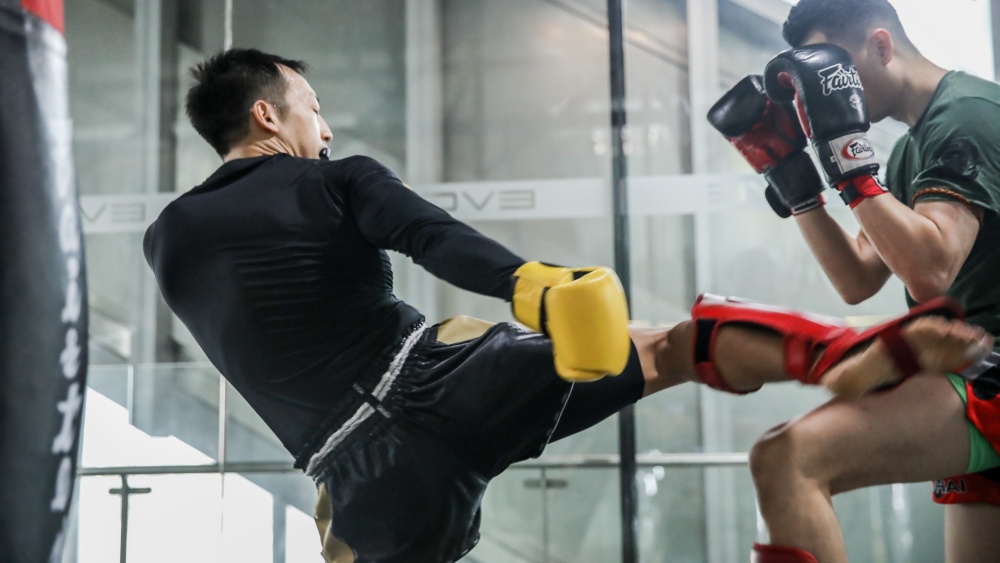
{"x": 276, "y": 266}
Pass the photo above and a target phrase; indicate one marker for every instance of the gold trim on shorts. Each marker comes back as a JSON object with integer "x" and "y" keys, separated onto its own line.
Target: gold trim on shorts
{"x": 461, "y": 328}
{"x": 334, "y": 550}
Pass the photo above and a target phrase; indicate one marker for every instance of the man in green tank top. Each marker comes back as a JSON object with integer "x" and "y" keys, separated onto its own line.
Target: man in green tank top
{"x": 934, "y": 223}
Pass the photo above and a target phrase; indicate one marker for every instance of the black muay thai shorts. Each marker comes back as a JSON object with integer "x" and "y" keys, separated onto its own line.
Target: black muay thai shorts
{"x": 402, "y": 479}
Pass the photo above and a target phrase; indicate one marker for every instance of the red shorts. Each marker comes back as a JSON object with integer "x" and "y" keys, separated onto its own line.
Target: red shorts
{"x": 983, "y": 411}
{"x": 963, "y": 489}
{"x": 983, "y": 404}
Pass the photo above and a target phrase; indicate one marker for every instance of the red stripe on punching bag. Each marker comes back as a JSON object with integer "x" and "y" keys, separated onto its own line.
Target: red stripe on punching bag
{"x": 49, "y": 10}
{"x": 43, "y": 306}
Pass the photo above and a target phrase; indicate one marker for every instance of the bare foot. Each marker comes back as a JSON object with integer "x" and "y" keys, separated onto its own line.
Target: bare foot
{"x": 940, "y": 345}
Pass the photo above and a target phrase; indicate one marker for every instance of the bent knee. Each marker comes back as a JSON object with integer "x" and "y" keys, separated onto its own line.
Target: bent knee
{"x": 771, "y": 453}
{"x": 785, "y": 452}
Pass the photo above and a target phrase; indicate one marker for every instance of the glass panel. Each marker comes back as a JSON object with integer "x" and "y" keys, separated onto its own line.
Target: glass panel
{"x": 672, "y": 515}
{"x": 104, "y": 91}
{"x": 104, "y": 94}
{"x": 180, "y": 401}
{"x": 583, "y": 515}
{"x": 160, "y": 510}
{"x": 893, "y": 524}
{"x": 355, "y": 51}
{"x": 176, "y": 428}
{"x": 240, "y": 517}
{"x": 99, "y": 524}
{"x": 177, "y": 506}
{"x": 532, "y": 515}
{"x": 267, "y": 517}
{"x": 668, "y": 421}
{"x": 174, "y": 419}
{"x": 301, "y": 538}
{"x": 960, "y": 37}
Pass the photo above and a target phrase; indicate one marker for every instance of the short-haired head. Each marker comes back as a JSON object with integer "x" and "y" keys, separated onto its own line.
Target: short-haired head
{"x": 226, "y": 87}
{"x": 846, "y": 22}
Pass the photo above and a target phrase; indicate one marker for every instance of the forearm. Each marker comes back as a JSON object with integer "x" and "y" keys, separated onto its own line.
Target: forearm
{"x": 853, "y": 266}
{"x": 467, "y": 259}
{"x": 911, "y": 244}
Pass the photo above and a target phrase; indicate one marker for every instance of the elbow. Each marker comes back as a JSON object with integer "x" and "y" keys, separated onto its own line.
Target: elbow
{"x": 928, "y": 286}
{"x": 925, "y": 292}
{"x": 854, "y": 295}
{"x": 858, "y": 289}
{"x": 853, "y": 298}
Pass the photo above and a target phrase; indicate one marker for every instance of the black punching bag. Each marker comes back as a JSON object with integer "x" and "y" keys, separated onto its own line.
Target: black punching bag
{"x": 43, "y": 308}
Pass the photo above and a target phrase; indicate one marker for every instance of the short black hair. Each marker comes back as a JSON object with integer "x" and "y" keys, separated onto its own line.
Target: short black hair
{"x": 226, "y": 87}
{"x": 846, "y": 21}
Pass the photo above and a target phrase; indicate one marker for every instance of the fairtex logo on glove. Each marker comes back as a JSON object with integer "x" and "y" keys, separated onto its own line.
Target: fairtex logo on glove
{"x": 837, "y": 77}
{"x": 858, "y": 148}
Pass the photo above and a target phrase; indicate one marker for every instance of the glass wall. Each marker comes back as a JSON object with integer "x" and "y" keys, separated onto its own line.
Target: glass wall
{"x": 499, "y": 112}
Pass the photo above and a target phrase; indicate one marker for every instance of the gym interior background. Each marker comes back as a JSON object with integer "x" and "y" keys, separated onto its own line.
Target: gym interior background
{"x": 499, "y": 111}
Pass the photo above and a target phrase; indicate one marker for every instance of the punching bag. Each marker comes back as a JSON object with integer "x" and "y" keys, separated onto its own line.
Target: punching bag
{"x": 43, "y": 309}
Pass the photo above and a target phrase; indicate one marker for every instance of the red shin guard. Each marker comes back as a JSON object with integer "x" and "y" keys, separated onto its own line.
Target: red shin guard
{"x": 804, "y": 335}
{"x": 779, "y": 554}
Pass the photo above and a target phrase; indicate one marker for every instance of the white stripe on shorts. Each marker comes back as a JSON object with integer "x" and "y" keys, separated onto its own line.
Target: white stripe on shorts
{"x": 366, "y": 410}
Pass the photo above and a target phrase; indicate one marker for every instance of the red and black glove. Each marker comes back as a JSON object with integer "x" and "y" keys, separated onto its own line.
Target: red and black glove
{"x": 769, "y": 137}
{"x": 825, "y": 86}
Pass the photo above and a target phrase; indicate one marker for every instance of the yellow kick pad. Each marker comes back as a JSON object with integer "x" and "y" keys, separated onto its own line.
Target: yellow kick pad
{"x": 461, "y": 328}
{"x": 334, "y": 550}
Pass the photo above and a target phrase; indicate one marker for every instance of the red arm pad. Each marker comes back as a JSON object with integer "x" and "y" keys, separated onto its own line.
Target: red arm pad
{"x": 902, "y": 354}
{"x": 804, "y": 334}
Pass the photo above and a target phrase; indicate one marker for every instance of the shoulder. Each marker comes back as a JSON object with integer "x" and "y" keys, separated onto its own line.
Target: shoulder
{"x": 969, "y": 113}
{"x": 962, "y": 130}
{"x": 356, "y": 172}
{"x": 357, "y": 164}
{"x": 966, "y": 105}
{"x": 177, "y": 210}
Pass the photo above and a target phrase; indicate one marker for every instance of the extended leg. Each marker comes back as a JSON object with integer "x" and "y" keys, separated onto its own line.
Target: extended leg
{"x": 738, "y": 347}
{"x": 814, "y": 349}
{"x": 748, "y": 357}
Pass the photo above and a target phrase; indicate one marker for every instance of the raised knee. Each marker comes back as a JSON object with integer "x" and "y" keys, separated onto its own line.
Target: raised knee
{"x": 770, "y": 452}
{"x": 779, "y": 458}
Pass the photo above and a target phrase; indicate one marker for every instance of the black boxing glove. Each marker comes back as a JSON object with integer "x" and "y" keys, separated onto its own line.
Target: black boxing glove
{"x": 828, "y": 95}
{"x": 769, "y": 137}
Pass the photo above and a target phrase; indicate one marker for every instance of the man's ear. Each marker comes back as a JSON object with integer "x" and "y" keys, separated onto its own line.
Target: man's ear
{"x": 880, "y": 40}
{"x": 265, "y": 116}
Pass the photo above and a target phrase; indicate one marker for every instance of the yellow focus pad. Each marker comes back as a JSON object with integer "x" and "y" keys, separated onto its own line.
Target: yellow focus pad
{"x": 585, "y": 316}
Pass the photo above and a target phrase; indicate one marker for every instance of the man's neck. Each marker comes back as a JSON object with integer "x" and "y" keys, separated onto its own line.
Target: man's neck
{"x": 264, "y": 147}
{"x": 918, "y": 88}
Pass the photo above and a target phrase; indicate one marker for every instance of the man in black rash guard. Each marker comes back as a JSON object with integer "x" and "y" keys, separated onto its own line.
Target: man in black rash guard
{"x": 277, "y": 265}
